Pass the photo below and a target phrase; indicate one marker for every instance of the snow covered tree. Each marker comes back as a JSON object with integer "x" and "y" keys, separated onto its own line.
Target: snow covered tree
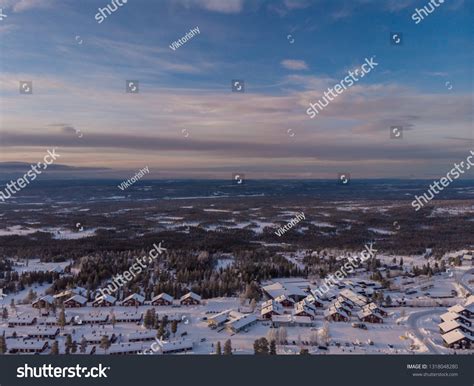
{"x": 174, "y": 326}
{"x": 325, "y": 334}
{"x": 105, "y": 343}
{"x": 228, "y": 347}
{"x": 62, "y": 319}
{"x": 55, "y": 348}
{"x": 3, "y": 344}
{"x": 272, "y": 334}
{"x": 282, "y": 335}
{"x": 218, "y": 349}
{"x": 260, "y": 346}
{"x": 273, "y": 348}
{"x": 314, "y": 338}
{"x": 253, "y": 305}
{"x": 68, "y": 343}
{"x": 83, "y": 345}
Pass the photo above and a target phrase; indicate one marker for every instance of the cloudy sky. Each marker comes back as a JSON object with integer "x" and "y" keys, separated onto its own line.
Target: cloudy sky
{"x": 186, "y": 122}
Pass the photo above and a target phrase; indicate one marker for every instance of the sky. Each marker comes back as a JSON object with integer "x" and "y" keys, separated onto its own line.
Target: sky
{"x": 185, "y": 121}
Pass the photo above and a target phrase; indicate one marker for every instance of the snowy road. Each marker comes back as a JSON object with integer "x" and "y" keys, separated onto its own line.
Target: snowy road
{"x": 412, "y": 321}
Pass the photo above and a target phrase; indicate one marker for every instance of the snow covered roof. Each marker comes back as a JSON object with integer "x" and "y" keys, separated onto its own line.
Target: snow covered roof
{"x": 98, "y": 317}
{"x": 271, "y": 306}
{"x": 78, "y": 298}
{"x": 447, "y": 316}
{"x": 311, "y": 299}
{"x": 163, "y": 296}
{"x": 221, "y": 317}
{"x": 456, "y": 335}
{"x": 366, "y": 312}
{"x": 288, "y": 289}
{"x": 105, "y": 298}
{"x": 22, "y": 319}
{"x": 355, "y": 298}
{"x": 21, "y": 344}
{"x": 242, "y": 321}
{"x": 47, "y": 298}
{"x": 146, "y": 334}
{"x": 304, "y": 307}
{"x": 182, "y": 344}
{"x": 282, "y": 298}
{"x": 128, "y": 315}
{"x": 127, "y": 347}
{"x": 470, "y": 300}
{"x": 191, "y": 295}
{"x": 451, "y": 325}
{"x": 137, "y": 297}
{"x": 96, "y": 336}
{"x": 333, "y": 310}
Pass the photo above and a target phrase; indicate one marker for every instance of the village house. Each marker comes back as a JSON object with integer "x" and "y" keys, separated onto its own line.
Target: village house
{"x": 43, "y": 333}
{"x": 342, "y": 306}
{"x": 75, "y": 302}
{"x": 43, "y": 302}
{"x": 458, "y": 340}
{"x": 22, "y": 320}
{"x": 104, "y": 301}
{"x": 144, "y": 336}
{"x": 304, "y": 309}
{"x": 128, "y": 317}
{"x": 311, "y": 299}
{"x": 71, "y": 292}
{"x": 448, "y": 316}
{"x": 91, "y": 318}
{"x": 270, "y": 308}
{"x": 369, "y": 316}
{"x": 133, "y": 300}
{"x": 375, "y": 308}
{"x": 123, "y": 348}
{"x": 356, "y": 299}
{"x": 96, "y": 337}
{"x": 335, "y": 315}
{"x": 285, "y": 301}
{"x": 451, "y": 325}
{"x": 294, "y": 290}
{"x": 466, "y": 311}
{"x": 26, "y": 346}
{"x": 176, "y": 346}
{"x": 241, "y": 323}
{"x": 190, "y": 299}
{"x": 218, "y": 320}
{"x": 162, "y": 299}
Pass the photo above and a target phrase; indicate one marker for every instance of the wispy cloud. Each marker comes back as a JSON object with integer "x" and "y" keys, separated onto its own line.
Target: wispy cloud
{"x": 292, "y": 64}
{"x": 26, "y": 5}
{"x": 222, "y": 6}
